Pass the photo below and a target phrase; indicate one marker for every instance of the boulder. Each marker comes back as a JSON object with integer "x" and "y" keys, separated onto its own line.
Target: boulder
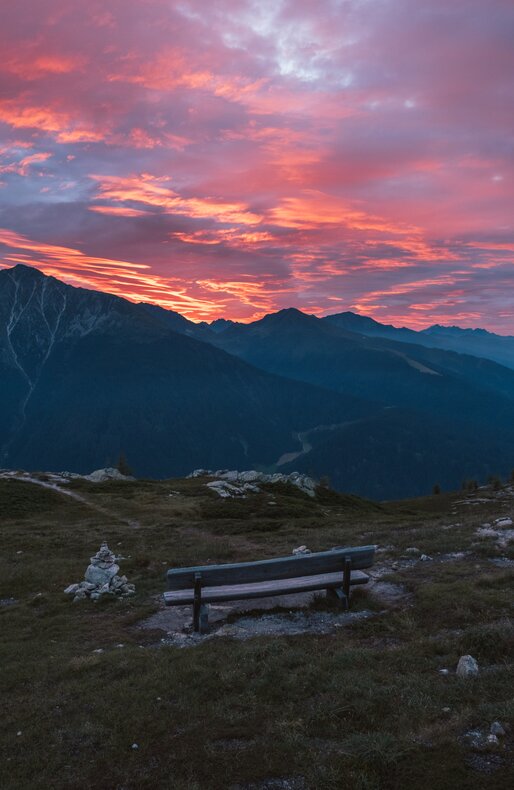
{"x": 497, "y": 729}
{"x": 249, "y": 477}
{"x": 109, "y": 473}
{"x": 467, "y": 667}
{"x": 302, "y": 550}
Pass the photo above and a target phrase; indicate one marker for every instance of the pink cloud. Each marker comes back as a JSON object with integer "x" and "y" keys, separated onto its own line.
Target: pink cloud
{"x": 317, "y": 154}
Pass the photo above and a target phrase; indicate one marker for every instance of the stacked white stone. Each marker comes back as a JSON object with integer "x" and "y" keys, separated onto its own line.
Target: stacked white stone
{"x": 101, "y": 579}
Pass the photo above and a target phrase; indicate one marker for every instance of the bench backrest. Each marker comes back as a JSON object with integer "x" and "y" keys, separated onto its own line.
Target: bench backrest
{"x": 279, "y": 568}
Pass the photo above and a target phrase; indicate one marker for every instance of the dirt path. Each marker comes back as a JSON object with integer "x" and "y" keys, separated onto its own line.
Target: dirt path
{"x": 27, "y": 478}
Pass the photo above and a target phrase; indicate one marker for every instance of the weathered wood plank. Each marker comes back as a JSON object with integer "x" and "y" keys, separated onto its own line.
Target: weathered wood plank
{"x": 275, "y": 569}
{"x": 234, "y": 592}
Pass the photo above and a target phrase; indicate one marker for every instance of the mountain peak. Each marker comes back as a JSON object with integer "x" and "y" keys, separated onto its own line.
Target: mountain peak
{"x": 22, "y": 271}
{"x": 288, "y": 317}
{"x": 221, "y": 324}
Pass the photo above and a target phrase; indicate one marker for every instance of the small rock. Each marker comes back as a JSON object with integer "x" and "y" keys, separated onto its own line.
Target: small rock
{"x": 503, "y": 522}
{"x": 492, "y": 740}
{"x": 412, "y": 550}
{"x": 475, "y": 739}
{"x": 497, "y": 729}
{"x": 109, "y": 473}
{"x": 302, "y": 550}
{"x": 444, "y": 672}
{"x": 18, "y": 733}
{"x": 467, "y": 667}
{"x": 134, "y": 746}
{"x": 72, "y": 589}
{"x": 425, "y": 558}
{"x": 446, "y": 710}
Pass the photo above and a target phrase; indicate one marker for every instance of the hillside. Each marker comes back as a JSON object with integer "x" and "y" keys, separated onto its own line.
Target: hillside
{"x": 102, "y": 695}
{"x": 452, "y": 415}
{"x": 87, "y": 375}
{"x": 475, "y": 342}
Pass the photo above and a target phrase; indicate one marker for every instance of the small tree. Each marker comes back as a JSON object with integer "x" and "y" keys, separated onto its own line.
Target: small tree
{"x": 436, "y": 489}
{"x": 122, "y": 465}
{"x": 495, "y": 482}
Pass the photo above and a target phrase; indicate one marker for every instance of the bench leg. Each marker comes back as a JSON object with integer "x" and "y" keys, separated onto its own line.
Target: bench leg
{"x": 337, "y": 594}
{"x": 204, "y": 618}
{"x": 197, "y": 603}
{"x": 347, "y": 575}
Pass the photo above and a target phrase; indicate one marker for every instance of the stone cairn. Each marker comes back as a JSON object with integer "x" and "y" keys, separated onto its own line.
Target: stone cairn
{"x": 101, "y": 579}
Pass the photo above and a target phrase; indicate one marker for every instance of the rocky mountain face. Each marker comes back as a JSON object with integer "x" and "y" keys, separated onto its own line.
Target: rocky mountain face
{"x": 87, "y": 375}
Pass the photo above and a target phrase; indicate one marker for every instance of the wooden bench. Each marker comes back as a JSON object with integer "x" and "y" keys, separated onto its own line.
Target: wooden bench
{"x": 336, "y": 571}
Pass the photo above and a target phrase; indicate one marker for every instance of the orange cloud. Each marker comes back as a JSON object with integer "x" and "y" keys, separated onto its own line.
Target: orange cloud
{"x": 21, "y": 114}
{"x": 150, "y": 191}
{"x": 119, "y": 211}
{"x": 33, "y": 68}
{"x": 123, "y": 278}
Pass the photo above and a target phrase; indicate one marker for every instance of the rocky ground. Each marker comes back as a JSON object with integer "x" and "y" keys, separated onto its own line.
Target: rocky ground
{"x": 412, "y": 687}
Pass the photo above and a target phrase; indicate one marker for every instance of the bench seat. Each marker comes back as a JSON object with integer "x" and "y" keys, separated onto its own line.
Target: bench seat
{"x": 234, "y": 592}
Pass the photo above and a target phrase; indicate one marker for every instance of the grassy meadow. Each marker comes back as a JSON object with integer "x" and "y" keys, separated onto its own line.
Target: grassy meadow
{"x": 364, "y": 708}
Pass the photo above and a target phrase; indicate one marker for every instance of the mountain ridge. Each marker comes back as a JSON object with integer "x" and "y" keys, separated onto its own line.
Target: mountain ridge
{"x": 87, "y": 375}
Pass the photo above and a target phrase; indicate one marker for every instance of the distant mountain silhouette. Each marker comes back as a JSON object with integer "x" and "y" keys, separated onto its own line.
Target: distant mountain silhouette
{"x": 467, "y": 403}
{"x": 476, "y": 342}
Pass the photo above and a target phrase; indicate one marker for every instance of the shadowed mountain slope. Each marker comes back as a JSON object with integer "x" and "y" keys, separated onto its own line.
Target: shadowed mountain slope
{"x": 475, "y": 342}
{"x": 87, "y": 375}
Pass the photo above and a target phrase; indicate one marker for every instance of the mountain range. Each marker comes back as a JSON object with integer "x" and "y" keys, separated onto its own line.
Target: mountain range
{"x": 87, "y": 375}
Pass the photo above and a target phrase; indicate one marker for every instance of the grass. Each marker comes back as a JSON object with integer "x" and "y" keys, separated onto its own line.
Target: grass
{"x": 363, "y": 708}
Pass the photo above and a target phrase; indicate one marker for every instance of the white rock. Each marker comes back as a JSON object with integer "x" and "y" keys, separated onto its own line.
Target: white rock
{"x": 100, "y": 576}
{"x": 467, "y": 667}
{"x": 199, "y": 473}
{"x": 134, "y": 746}
{"x": 497, "y": 729}
{"x": 492, "y": 740}
{"x": 109, "y": 473}
{"x": 425, "y": 558}
{"x": 487, "y": 532}
{"x": 249, "y": 477}
{"x": 302, "y": 550}
{"x": 412, "y": 550}
{"x": 503, "y": 522}
{"x": 72, "y": 589}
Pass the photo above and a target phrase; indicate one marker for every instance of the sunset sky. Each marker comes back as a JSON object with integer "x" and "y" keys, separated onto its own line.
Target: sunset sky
{"x": 229, "y": 158}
